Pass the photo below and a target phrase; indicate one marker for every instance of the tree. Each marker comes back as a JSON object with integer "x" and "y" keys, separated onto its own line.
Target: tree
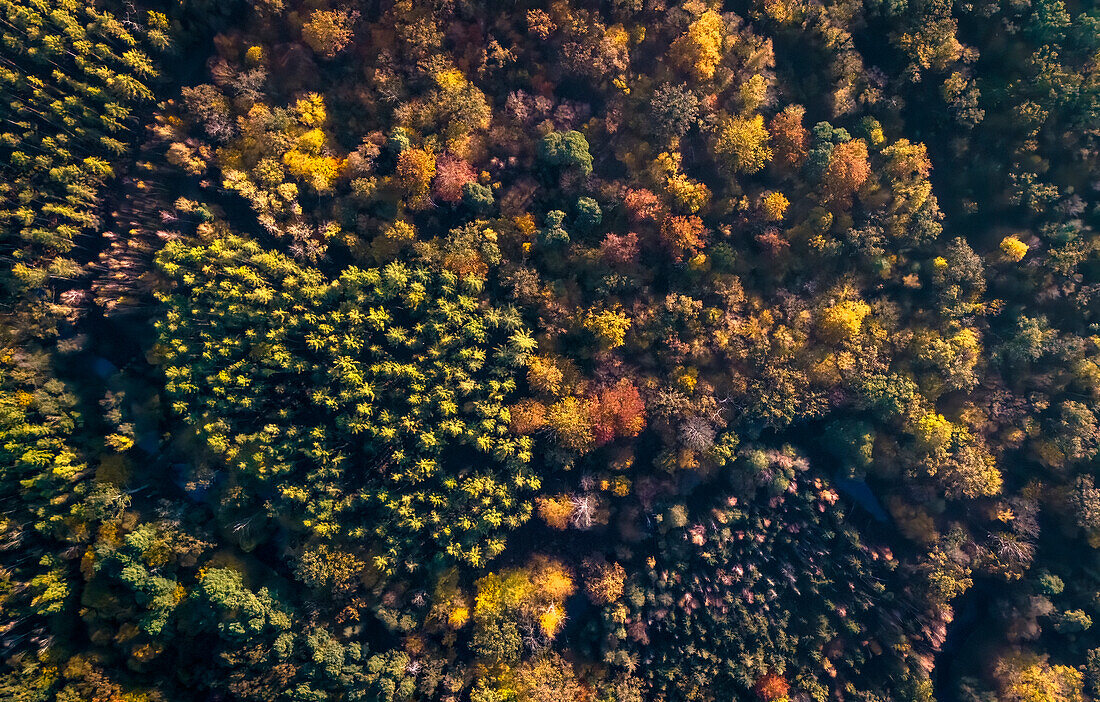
{"x": 527, "y": 416}
{"x": 566, "y": 149}
{"x": 557, "y": 511}
{"x": 1013, "y": 249}
{"x": 246, "y": 630}
{"x": 617, "y": 411}
{"x": 529, "y": 599}
{"x": 742, "y": 144}
{"x": 589, "y": 214}
{"x": 572, "y": 424}
{"x": 788, "y": 137}
{"x": 247, "y": 329}
{"x": 458, "y": 105}
{"x": 415, "y": 170}
{"x": 545, "y": 374}
{"x": 478, "y": 197}
{"x": 842, "y": 321}
{"x": 767, "y": 575}
{"x": 619, "y": 249}
{"x": 548, "y": 679}
{"x": 603, "y": 581}
{"x": 1026, "y": 677}
{"x": 608, "y": 326}
{"x": 851, "y": 442}
{"x": 771, "y": 687}
{"x": 46, "y": 478}
{"x": 540, "y": 24}
{"x": 1085, "y": 501}
{"x": 846, "y": 170}
{"x": 73, "y": 78}
{"x": 328, "y": 32}
{"x": 675, "y": 110}
{"x": 698, "y": 51}
{"x": 452, "y": 175}
{"x": 552, "y": 233}
{"x": 687, "y": 195}
{"x": 684, "y": 236}
{"x": 290, "y": 460}
{"x": 642, "y": 205}
{"x": 774, "y": 206}
{"x": 324, "y": 568}
{"x": 1075, "y": 434}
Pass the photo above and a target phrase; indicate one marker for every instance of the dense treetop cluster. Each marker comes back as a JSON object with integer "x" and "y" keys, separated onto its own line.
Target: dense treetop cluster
{"x": 554, "y": 350}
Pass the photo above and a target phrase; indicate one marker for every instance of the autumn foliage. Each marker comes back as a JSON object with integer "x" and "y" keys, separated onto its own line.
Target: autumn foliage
{"x": 771, "y": 688}
{"x": 617, "y": 411}
{"x": 565, "y": 351}
{"x": 847, "y": 170}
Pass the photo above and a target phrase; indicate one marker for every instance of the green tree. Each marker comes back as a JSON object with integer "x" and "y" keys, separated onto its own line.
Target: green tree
{"x": 404, "y": 369}
{"x": 566, "y": 149}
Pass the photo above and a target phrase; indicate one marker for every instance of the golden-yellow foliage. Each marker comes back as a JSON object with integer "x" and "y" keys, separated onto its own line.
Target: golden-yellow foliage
{"x": 774, "y": 206}
{"x": 1027, "y": 677}
{"x": 552, "y": 579}
{"x": 753, "y": 93}
{"x": 699, "y": 50}
{"x": 544, "y": 375}
{"x": 497, "y": 593}
{"x": 459, "y": 616}
{"x": 328, "y": 32}
{"x": 782, "y": 12}
{"x": 312, "y": 141}
{"x": 320, "y": 171}
{"x": 310, "y": 110}
{"x": 551, "y": 621}
{"x": 743, "y": 144}
{"x": 569, "y": 417}
{"x": 842, "y": 321}
{"x": 415, "y": 170}
{"x": 689, "y": 195}
{"x": 932, "y": 431}
{"x": 608, "y": 326}
{"x": 1013, "y": 249}
{"x": 537, "y": 592}
{"x": 396, "y": 237}
{"x": 556, "y": 511}
{"x": 450, "y": 80}
{"x": 972, "y": 471}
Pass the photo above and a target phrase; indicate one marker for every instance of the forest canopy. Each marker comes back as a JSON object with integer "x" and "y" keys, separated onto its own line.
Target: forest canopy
{"x": 607, "y": 351}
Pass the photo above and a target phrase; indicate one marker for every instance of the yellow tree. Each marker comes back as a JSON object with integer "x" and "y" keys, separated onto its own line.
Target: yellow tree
{"x": 1026, "y": 677}
{"x": 328, "y": 32}
{"x": 774, "y": 206}
{"x": 608, "y": 326}
{"x": 1013, "y": 249}
{"x": 842, "y": 321}
{"x": 698, "y": 51}
{"x": 415, "y": 170}
{"x": 571, "y": 421}
{"x": 742, "y": 144}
